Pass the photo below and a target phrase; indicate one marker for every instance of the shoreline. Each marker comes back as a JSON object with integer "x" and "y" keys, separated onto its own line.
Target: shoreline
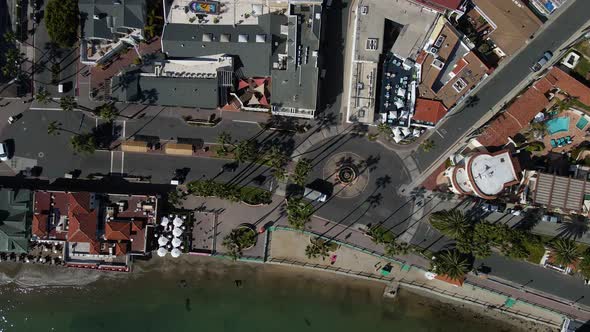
{"x": 212, "y": 268}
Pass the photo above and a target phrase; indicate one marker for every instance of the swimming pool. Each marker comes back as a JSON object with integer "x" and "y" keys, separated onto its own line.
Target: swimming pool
{"x": 582, "y": 123}
{"x": 558, "y": 125}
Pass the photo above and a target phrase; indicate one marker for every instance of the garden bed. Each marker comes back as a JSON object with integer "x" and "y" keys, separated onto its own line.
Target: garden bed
{"x": 247, "y": 195}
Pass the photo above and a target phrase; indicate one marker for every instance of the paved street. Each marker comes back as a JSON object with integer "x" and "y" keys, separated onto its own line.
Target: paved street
{"x": 504, "y": 81}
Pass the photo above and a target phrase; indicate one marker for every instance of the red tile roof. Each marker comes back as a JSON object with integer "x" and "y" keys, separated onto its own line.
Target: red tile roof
{"x": 454, "y": 282}
{"x": 421, "y": 57}
{"x": 532, "y": 101}
{"x": 118, "y": 230}
{"x": 517, "y": 116}
{"x": 137, "y": 226}
{"x": 82, "y": 227}
{"x": 439, "y": 4}
{"x": 459, "y": 66}
{"x": 429, "y": 110}
{"x": 40, "y": 225}
{"x": 121, "y": 248}
{"x": 570, "y": 85}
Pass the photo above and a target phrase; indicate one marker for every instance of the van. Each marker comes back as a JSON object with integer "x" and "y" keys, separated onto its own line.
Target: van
{"x": 4, "y": 152}
{"x": 314, "y": 195}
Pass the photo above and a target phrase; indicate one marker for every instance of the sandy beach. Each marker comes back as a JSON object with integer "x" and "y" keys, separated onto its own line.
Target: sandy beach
{"x": 280, "y": 278}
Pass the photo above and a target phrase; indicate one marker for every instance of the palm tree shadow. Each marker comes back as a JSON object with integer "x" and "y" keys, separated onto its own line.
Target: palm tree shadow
{"x": 573, "y": 230}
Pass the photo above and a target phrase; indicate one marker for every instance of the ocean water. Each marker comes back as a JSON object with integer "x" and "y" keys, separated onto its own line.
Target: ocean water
{"x": 207, "y": 298}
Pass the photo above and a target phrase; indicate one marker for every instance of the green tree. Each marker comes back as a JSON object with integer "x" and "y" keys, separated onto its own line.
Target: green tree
{"x": 565, "y": 251}
{"x": 239, "y": 239}
{"x": 62, "y": 21}
{"x": 277, "y": 160}
{"x": 317, "y": 248}
{"x": 395, "y": 248}
{"x": 107, "y": 112}
{"x": 384, "y": 128}
{"x": 427, "y": 145}
{"x": 13, "y": 62}
{"x": 223, "y": 139}
{"x": 584, "y": 265}
{"x": 452, "y": 223}
{"x": 302, "y": 170}
{"x": 380, "y": 235}
{"x": 43, "y": 96}
{"x": 67, "y": 103}
{"x": 53, "y": 128}
{"x": 245, "y": 151}
{"x": 450, "y": 263}
{"x": 83, "y": 143}
{"x": 154, "y": 22}
{"x": 298, "y": 212}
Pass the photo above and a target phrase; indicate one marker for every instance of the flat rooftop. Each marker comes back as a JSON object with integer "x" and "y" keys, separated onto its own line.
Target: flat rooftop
{"x": 243, "y": 12}
{"x": 491, "y": 173}
{"x": 416, "y": 22}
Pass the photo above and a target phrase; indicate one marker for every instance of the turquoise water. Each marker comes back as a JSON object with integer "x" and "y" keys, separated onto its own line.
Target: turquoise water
{"x": 266, "y": 301}
{"x": 582, "y": 123}
{"x": 558, "y": 125}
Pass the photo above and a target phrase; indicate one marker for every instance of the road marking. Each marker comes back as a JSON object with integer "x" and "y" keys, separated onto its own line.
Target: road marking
{"x": 112, "y": 161}
{"x": 96, "y": 123}
{"x": 124, "y": 123}
{"x": 438, "y": 132}
{"x": 245, "y": 121}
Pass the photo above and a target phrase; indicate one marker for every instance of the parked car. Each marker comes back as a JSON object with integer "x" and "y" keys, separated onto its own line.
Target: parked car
{"x": 494, "y": 207}
{"x": 314, "y": 195}
{"x": 542, "y": 61}
{"x": 14, "y": 118}
{"x": 551, "y": 218}
{"x": 4, "y": 152}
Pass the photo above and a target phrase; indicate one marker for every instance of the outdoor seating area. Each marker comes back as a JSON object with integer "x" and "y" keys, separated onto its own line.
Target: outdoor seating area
{"x": 561, "y": 136}
{"x": 562, "y": 141}
{"x": 396, "y": 92}
{"x": 171, "y": 235}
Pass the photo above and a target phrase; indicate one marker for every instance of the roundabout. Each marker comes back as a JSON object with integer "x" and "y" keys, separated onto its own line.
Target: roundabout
{"x": 347, "y": 173}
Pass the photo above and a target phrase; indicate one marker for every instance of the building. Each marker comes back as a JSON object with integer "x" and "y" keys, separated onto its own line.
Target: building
{"x": 536, "y": 98}
{"x": 547, "y": 7}
{"x": 15, "y": 220}
{"x": 443, "y": 5}
{"x": 484, "y": 175}
{"x": 428, "y": 112}
{"x": 188, "y": 83}
{"x": 510, "y": 24}
{"x": 450, "y": 69}
{"x": 277, "y": 42}
{"x": 561, "y": 194}
{"x": 98, "y": 230}
{"x": 108, "y": 26}
{"x": 375, "y": 24}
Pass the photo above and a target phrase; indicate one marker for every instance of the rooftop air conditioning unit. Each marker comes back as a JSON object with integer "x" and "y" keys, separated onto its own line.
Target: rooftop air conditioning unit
{"x": 439, "y": 40}
{"x": 438, "y": 64}
{"x": 433, "y": 50}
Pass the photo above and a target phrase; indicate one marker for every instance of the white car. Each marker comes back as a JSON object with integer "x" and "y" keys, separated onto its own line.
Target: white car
{"x": 4, "y": 152}
{"x": 14, "y": 118}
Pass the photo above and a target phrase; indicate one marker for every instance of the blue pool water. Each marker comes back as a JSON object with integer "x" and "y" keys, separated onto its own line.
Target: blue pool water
{"x": 558, "y": 124}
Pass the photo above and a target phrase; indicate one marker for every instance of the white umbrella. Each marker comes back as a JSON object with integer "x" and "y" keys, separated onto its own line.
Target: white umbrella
{"x": 175, "y": 252}
{"x": 165, "y": 221}
{"x": 177, "y": 232}
{"x": 178, "y": 222}
{"x": 176, "y": 242}
{"x": 162, "y": 241}
{"x": 162, "y": 252}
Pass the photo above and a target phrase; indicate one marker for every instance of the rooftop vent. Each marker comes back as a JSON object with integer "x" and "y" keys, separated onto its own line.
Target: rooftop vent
{"x": 96, "y": 17}
{"x": 207, "y": 37}
{"x": 242, "y": 38}
{"x": 438, "y": 64}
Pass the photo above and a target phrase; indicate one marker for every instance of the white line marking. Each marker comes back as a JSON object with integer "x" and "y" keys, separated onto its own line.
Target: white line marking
{"x": 245, "y": 121}
{"x": 438, "y": 132}
{"x": 124, "y": 123}
{"x": 112, "y": 161}
{"x": 122, "y": 161}
{"x": 96, "y": 123}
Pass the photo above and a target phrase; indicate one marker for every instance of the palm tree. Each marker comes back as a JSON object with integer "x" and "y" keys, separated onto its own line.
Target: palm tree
{"x": 301, "y": 172}
{"x": 584, "y": 266}
{"x": 83, "y": 143}
{"x": 245, "y": 151}
{"x": 384, "y": 128}
{"x": 452, "y": 223}
{"x": 223, "y": 139}
{"x": 68, "y": 103}
{"x": 53, "y": 128}
{"x": 565, "y": 251}
{"x": 239, "y": 239}
{"x": 107, "y": 112}
{"x": 43, "y": 96}
{"x": 450, "y": 263}
{"x": 317, "y": 248}
{"x": 427, "y": 145}
{"x": 396, "y": 248}
{"x": 380, "y": 235}
{"x": 277, "y": 160}
{"x": 298, "y": 212}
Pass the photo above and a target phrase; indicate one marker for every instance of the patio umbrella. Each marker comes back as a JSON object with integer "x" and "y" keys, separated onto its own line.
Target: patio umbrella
{"x": 178, "y": 221}
{"x": 175, "y": 252}
{"x": 177, "y": 232}
{"x": 165, "y": 221}
{"x": 176, "y": 242}
{"x": 162, "y": 241}
{"x": 162, "y": 252}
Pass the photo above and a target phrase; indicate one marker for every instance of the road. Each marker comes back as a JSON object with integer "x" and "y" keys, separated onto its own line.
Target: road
{"x": 462, "y": 120}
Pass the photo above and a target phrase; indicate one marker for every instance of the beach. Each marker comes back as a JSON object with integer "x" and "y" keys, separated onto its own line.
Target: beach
{"x": 222, "y": 295}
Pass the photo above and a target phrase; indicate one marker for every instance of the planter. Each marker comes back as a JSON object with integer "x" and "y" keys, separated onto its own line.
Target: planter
{"x": 247, "y": 228}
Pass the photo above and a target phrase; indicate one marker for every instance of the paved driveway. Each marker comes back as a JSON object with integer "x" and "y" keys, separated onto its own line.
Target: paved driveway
{"x": 504, "y": 81}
